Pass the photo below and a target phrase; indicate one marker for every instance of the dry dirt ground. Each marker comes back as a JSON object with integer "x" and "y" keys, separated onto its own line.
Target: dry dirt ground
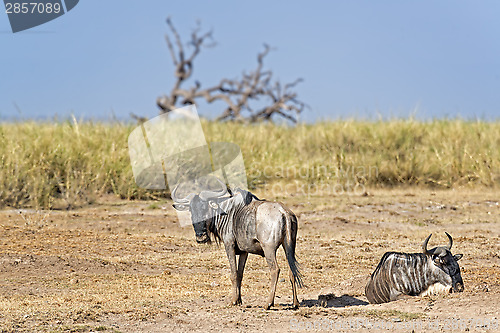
{"x": 129, "y": 267}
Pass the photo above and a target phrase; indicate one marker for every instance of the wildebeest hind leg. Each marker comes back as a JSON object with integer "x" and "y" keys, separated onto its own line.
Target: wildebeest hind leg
{"x": 294, "y": 285}
{"x": 241, "y": 266}
{"x": 294, "y": 290}
{"x": 270, "y": 254}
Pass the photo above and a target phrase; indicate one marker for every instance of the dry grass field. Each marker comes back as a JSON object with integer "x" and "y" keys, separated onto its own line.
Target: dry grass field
{"x": 127, "y": 266}
{"x": 65, "y": 165}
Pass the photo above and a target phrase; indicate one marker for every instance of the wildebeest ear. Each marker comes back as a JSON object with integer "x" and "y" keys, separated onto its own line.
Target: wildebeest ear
{"x": 180, "y": 207}
{"x": 457, "y": 257}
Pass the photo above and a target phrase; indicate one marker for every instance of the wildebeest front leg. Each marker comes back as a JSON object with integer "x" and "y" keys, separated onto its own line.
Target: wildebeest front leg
{"x": 231, "y": 255}
{"x": 241, "y": 266}
{"x": 275, "y": 272}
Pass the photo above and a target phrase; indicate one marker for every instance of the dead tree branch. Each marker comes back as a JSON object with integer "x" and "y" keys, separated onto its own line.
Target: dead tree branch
{"x": 255, "y": 87}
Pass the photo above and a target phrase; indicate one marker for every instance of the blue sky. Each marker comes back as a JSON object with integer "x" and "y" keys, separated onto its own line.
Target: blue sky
{"x": 362, "y": 59}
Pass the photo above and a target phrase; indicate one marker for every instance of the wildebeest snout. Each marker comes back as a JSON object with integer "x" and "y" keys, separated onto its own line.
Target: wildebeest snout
{"x": 457, "y": 282}
{"x": 458, "y": 287}
{"x": 202, "y": 238}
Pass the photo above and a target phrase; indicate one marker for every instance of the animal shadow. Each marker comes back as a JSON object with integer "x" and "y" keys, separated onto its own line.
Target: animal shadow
{"x": 332, "y": 301}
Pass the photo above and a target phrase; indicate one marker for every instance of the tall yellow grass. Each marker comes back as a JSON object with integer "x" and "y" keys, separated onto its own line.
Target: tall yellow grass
{"x": 67, "y": 164}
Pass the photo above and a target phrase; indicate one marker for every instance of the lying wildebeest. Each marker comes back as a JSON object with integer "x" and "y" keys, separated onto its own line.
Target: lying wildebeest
{"x": 245, "y": 225}
{"x": 415, "y": 274}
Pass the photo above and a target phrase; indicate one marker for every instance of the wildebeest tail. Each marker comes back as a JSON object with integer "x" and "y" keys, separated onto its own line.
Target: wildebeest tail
{"x": 289, "y": 246}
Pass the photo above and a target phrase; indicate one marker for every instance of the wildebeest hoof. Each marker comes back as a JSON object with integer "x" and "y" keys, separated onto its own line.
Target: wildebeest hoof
{"x": 236, "y": 302}
{"x": 268, "y": 306}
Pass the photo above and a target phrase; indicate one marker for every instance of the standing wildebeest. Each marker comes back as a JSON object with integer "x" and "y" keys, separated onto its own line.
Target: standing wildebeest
{"x": 245, "y": 225}
{"x": 415, "y": 274}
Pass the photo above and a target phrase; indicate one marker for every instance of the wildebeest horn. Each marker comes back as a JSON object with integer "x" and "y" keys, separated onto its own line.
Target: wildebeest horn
{"x": 185, "y": 200}
{"x": 205, "y": 195}
{"x": 424, "y": 246}
{"x": 451, "y": 241}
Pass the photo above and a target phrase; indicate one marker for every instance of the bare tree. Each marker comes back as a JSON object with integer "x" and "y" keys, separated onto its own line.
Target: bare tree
{"x": 240, "y": 94}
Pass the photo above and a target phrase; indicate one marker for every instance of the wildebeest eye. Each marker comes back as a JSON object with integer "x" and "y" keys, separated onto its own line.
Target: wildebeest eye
{"x": 180, "y": 207}
{"x": 439, "y": 260}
